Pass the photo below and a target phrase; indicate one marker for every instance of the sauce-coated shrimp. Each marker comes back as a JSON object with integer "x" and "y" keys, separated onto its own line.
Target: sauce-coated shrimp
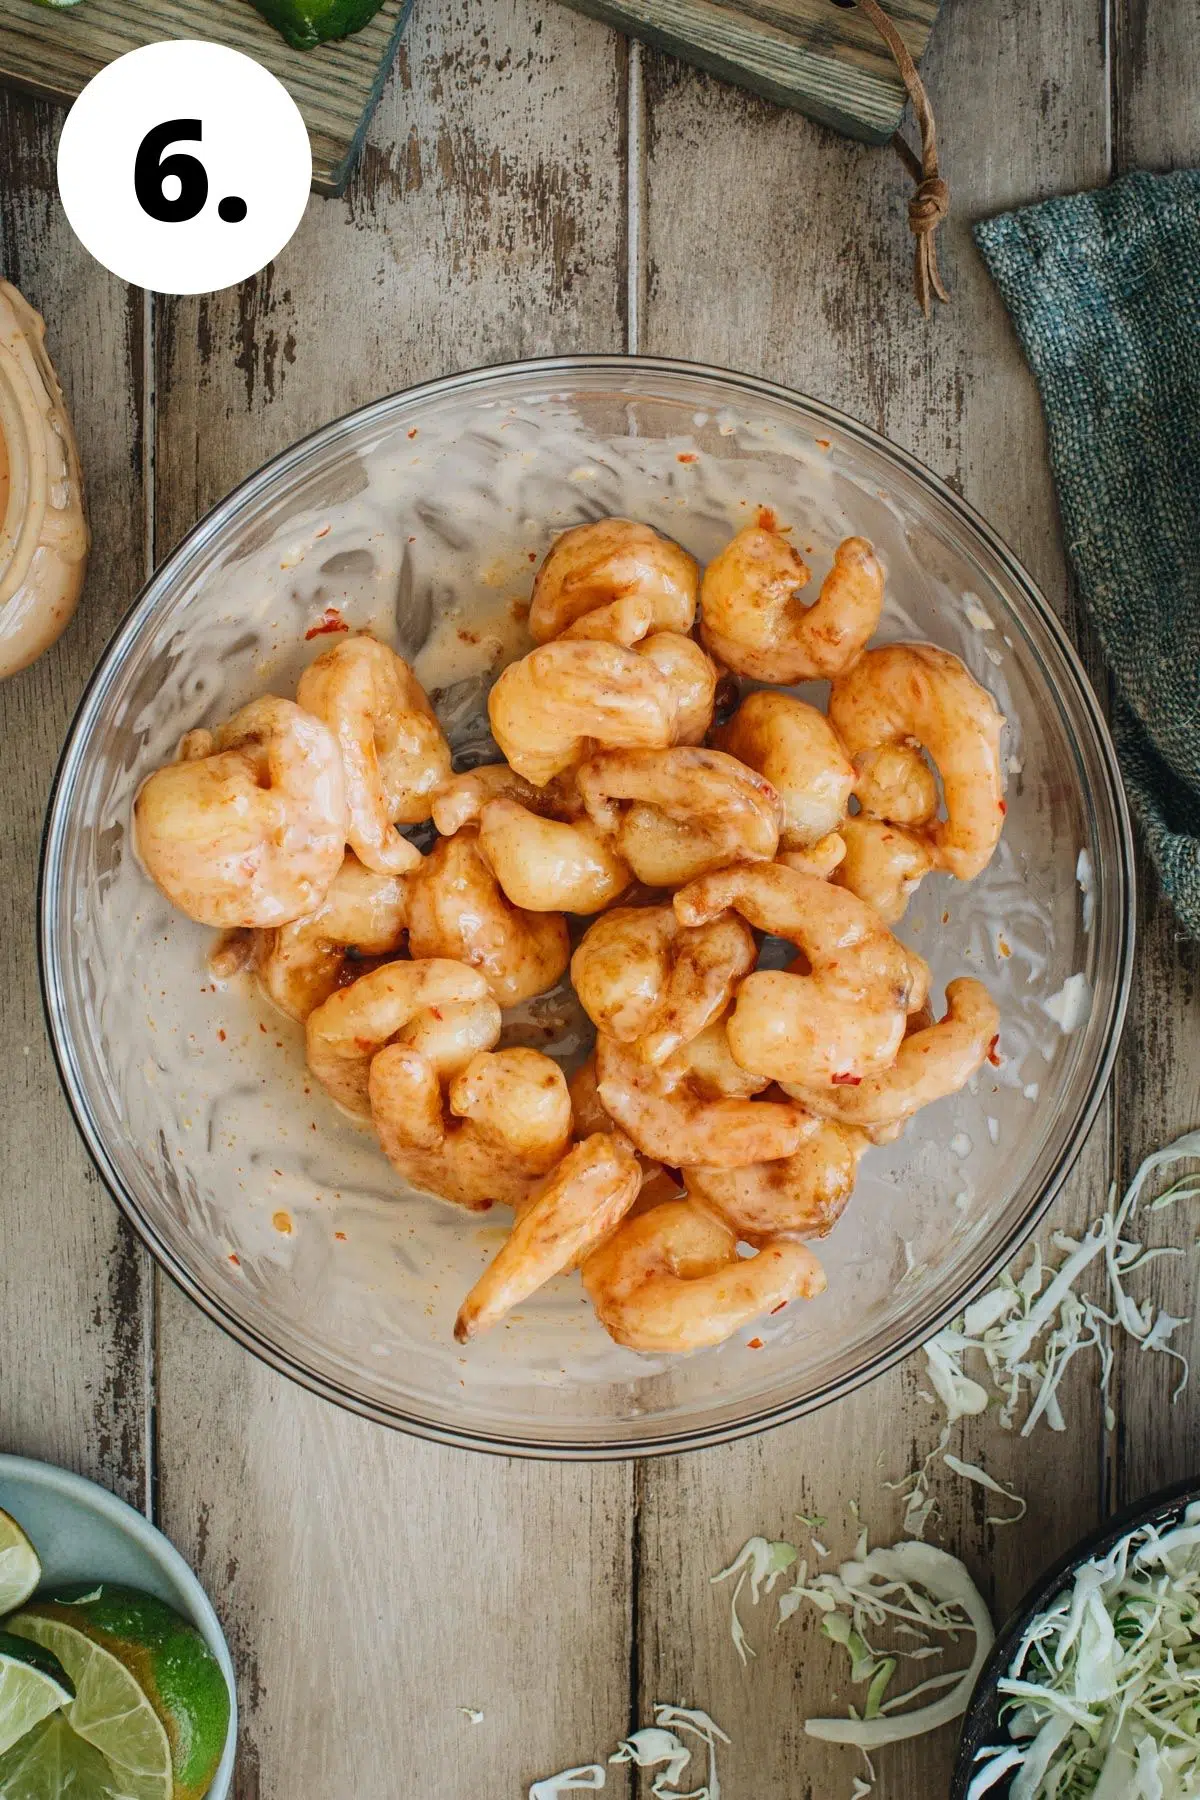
{"x": 299, "y": 965}
{"x": 554, "y": 705}
{"x": 550, "y": 865}
{"x": 882, "y": 864}
{"x": 802, "y": 1195}
{"x": 613, "y": 579}
{"x": 572, "y": 1211}
{"x": 488, "y": 1135}
{"x": 754, "y": 621}
{"x": 797, "y": 750}
{"x": 393, "y": 750}
{"x": 671, "y": 1279}
{"x": 649, "y": 983}
{"x": 249, "y": 828}
{"x": 457, "y": 908}
{"x": 820, "y": 859}
{"x": 673, "y": 814}
{"x": 936, "y": 1060}
{"x": 691, "y": 678}
{"x": 674, "y": 1113}
{"x": 844, "y": 1016}
{"x": 461, "y": 800}
{"x": 441, "y": 1007}
{"x": 906, "y": 694}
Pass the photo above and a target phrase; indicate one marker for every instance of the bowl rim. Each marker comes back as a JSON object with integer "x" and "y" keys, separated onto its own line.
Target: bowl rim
{"x": 92, "y": 1497}
{"x": 1153, "y": 1509}
{"x": 674, "y": 1441}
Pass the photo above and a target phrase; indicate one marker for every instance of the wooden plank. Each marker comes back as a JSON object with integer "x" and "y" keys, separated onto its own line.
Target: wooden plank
{"x": 1156, "y": 111}
{"x": 807, "y": 279}
{"x": 55, "y": 53}
{"x": 74, "y": 1361}
{"x": 825, "y": 60}
{"x": 373, "y": 1584}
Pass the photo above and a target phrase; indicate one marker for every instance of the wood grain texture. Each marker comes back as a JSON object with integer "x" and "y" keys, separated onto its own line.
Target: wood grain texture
{"x": 74, "y": 1285}
{"x": 55, "y": 53}
{"x": 825, "y": 60}
{"x": 373, "y": 1585}
{"x": 806, "y": 280}
{"x": 1157, "y": 126}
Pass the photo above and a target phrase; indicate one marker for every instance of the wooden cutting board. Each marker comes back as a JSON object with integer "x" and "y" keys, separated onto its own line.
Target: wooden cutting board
{"x": 336, "y": 86}
{"x": 823, "y": 57}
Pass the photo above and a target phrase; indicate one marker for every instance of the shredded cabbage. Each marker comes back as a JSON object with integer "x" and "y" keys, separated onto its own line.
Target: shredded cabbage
{"x": 650, "y": 1748}
{"x": 590, "y": 1779}
{"x": 1105, "y": 1684}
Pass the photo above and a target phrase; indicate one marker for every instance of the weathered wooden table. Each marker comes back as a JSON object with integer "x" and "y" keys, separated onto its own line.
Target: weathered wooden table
{"x": 532, "y": 185}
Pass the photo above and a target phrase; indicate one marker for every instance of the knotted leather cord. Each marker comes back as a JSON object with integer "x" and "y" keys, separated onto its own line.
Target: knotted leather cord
{"x": 930, "y": 203}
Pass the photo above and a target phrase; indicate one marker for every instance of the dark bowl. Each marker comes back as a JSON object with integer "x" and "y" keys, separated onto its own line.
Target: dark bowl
{"x": 981, "y": 1722}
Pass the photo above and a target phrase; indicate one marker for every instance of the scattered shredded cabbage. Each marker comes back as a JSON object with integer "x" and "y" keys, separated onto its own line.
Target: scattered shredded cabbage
{"x": 1024, "y": 1333}
{"x": 1104, "y": 1687}
{"x": 656, "y": 1746}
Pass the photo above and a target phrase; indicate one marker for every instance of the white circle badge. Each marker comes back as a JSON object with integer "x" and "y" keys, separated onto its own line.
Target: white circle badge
{"x": 184, "y": 167}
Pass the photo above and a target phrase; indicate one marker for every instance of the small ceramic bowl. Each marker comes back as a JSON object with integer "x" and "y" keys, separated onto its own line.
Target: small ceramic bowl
{"x": 981, "y": 1723}
{"x": 81, "y": 1532}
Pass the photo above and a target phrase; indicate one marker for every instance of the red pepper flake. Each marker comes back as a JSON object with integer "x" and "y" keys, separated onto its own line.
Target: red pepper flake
{"x": 1004, "y": 806}
{"x": 413, "y": 432}
{"x": 823, "y": 443}
{"x": 261, "y": 1026}
{"x": 235, "y": 1259}
{"x": 991, "y": 1052}
{"x": 779, "y": 1308}
{"x": 437, "y": 1013}
{"x": 330, "y": 620}
{"x": 221, "y": 1036}
{"x": 340, "y": 1236}
{"x": 686, "y": 456}
{"x": 754, "y": 1344}
{"x": 847, "y": 1080}
{"x": 945, "y": 918}
{"x": 766, "y": 519}
{"x": 532, "y": 555}
{"x": 467, "y": 637}
{"x": 324, "y": 531}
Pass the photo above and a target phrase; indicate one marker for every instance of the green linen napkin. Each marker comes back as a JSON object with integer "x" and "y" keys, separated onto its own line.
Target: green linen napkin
{"x": 1104, "y": 290}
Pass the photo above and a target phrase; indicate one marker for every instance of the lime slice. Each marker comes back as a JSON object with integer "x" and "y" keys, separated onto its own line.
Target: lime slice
{"x": 163, "y": 1657}
{"x": 20, "y": 1570}
{"x": 33, "y": 1684}
{"x": 110, "y": 1711}
{"x": 52, "y": 1762}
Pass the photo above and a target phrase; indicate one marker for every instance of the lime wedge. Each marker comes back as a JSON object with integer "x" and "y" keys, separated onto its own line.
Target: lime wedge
{"x": 110, "y": 1711}
{"x": 20, "y": 1570}
{"x": 52, "y": 1762}
{"x": 33, "y": 1684}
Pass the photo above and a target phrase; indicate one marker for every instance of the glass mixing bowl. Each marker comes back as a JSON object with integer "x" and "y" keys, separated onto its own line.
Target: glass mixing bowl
{"x": 421, "y": 517}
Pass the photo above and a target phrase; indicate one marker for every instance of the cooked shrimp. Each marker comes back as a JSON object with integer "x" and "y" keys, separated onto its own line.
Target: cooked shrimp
{"x": 835, "y": 1021}
{"x": 438, "y": 1005}
{"x": 645, "y": 981}
{"x": 671, "y": 1279}
{"x": 461, "y": 800}
{"x": 801, "y": 1195}
{"x": 456, "y": 908}
{"x": 567, "y": 1216}
{"x": 551, "y": 708}
{"x": 613, "y": 579}
{"x": 503, "y": 1122}
{"x": 691, "y": 678}
{"x": 249, "y": 828}
{"x": 550, "y": 865}
{"x": 883, "y": 864}
{"x": 673, "y": 1114}
{"x": 301, "y": 964}
{"x": 934, "y": 1061}
{"x": 796, "y": 749}
{"x": 673, "y": 814}
{"x": 894, "y": 782}
{"x": 393, "y": 751}
{"x": 903, "y": 694}
{"x": 820, "y": 859}
{"x": 754, "y": 622}
{"x": 590, "y": 1116}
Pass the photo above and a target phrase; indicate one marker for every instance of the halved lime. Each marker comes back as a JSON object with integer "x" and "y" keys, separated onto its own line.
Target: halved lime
{"x": 52, "y": 1762}
{"x": 163, "y": 1657}
{"x": 110, "y": 1710}
{"x": 20, "y": 1570}
{"x": 33, "y": 1684}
